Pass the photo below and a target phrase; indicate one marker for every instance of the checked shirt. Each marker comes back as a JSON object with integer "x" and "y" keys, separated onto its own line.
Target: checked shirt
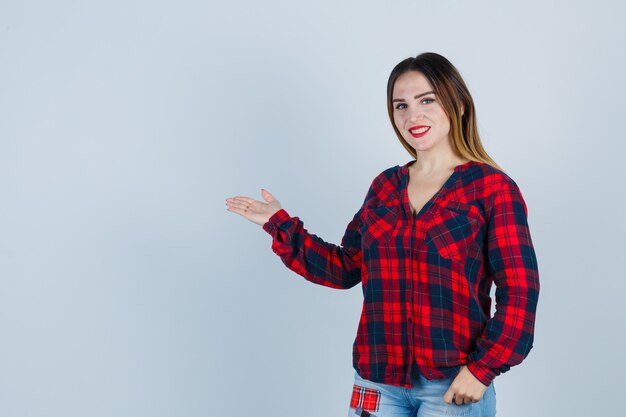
{"x": 426, "y": 277}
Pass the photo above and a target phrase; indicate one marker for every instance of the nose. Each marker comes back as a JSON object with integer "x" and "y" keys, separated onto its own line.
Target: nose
{"x": 416, "y": 114}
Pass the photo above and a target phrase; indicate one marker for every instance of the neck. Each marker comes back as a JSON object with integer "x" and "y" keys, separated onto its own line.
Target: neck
{"x": 428, "y": 162}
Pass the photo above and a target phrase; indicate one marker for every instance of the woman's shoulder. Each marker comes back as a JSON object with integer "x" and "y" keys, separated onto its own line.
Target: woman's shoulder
{"x": 488, "y": 175}
{"x": 484, "y": 184}
{"x": 388, "y": 176}
{"x": 385, "y": 187}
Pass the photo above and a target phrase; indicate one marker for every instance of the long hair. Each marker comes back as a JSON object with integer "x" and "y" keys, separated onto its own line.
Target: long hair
{"x": 455, "y": 99}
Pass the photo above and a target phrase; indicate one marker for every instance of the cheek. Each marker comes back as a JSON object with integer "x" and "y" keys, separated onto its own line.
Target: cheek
{"x": 397, "y": 120}
{"x": 439, "y": 117}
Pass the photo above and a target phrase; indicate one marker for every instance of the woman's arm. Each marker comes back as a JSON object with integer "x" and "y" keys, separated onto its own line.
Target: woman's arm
{"x": 311, "y": 257}
{"x": 306, "y": 254}
{"x": 511, "y": 263}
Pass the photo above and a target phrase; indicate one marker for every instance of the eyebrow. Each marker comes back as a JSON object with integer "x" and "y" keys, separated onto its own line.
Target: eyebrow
{"x": 416, "y": 97}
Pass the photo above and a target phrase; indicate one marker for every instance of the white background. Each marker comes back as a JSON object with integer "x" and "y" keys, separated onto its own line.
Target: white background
{"x": 127, "y": 289}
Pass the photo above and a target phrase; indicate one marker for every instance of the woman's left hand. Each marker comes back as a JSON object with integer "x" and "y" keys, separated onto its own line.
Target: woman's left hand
{"x": 465, "y": 388}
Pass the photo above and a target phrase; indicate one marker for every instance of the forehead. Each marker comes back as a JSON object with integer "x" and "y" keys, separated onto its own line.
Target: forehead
{"x": 410, "y": 84}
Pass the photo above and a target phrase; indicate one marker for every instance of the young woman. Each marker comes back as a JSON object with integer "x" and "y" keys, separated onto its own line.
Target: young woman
{"x": 428, "y": 242}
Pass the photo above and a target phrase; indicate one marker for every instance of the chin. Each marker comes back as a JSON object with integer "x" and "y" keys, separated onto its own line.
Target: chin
{"x": 422, "y": 147}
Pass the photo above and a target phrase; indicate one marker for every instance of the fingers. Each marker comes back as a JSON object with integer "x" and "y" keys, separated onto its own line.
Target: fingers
{"x": 241, "y": 200}
{"x": 459, "y": 396}
{"x": 256, "y": 211}
{"x": 246, "y": 203}
{"x": 240, "y": 205}
{"x": 451, "y": 397}
{"x": 448, "y": 396}
{"x": 465, "y": 388}
{"x": 267, "y": 196}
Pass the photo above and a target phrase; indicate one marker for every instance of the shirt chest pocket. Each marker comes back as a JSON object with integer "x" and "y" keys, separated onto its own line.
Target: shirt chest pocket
{"x": 378, "y": 225}
{"x": 453, "y": 231}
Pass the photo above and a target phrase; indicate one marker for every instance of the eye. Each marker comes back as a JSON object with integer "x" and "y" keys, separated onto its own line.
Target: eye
{"x": 400, "y": 106}
{"x": 428, "y": 100}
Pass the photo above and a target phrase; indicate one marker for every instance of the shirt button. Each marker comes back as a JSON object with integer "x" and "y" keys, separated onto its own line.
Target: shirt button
{"x": 410, "y": 319}
{"x": 408, "y": 285}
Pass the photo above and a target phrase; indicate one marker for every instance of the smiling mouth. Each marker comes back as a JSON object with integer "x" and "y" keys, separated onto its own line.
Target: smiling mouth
{"x": 419, "y": 131}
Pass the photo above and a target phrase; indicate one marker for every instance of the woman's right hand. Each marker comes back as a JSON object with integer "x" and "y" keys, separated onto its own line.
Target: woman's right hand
{"x": 254, "y": 210}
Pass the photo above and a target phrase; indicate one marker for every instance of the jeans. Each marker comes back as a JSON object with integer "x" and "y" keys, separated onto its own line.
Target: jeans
{"x": 425, "y": 399}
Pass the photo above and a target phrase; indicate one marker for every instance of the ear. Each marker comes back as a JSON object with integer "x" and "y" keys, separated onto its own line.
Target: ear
{"x": 462, "y": 110}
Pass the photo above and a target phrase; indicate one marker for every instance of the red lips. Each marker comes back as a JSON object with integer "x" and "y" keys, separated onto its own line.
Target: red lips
{"x": 419, "y": 131}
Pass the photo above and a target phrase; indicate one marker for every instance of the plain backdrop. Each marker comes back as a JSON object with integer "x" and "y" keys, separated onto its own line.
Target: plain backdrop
{"x": 127, "y": 289}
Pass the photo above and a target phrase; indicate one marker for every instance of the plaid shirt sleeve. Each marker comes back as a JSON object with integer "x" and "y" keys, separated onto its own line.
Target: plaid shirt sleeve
{"x": 511, "y": 263}
{"x": 323, "y": 263}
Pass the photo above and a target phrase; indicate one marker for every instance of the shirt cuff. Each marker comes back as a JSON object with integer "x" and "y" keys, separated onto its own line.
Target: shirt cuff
{"x": 275, "y": 221}
{"x": 482, "y": 373}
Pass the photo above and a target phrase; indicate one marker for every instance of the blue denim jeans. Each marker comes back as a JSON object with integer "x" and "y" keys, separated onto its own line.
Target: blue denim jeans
{"x": 425, "y": 399}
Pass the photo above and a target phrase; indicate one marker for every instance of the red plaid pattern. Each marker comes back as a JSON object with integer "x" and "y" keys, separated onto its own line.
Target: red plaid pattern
{"x": 365, "y": 398}
{"x": 426, "y": 278}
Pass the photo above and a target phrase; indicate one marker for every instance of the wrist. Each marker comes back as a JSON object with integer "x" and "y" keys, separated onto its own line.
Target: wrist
{"x": 482, "y": 373}
{"x": 275, "y": 220}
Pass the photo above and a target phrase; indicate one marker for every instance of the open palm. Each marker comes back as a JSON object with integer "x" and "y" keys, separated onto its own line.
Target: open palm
{"x": 256, "y": 211}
